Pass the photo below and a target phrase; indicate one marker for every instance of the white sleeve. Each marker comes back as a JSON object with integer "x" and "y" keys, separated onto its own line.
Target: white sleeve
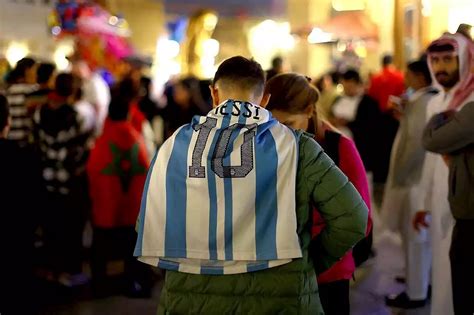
{"x": 422, "y": 193}
{"x": 149, "y": 137}
{"x": 87, "y": 115}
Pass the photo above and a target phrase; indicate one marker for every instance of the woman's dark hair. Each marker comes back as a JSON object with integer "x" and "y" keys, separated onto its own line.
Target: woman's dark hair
{"x": 421, "y": 67}
{"x": 291, "y": 93}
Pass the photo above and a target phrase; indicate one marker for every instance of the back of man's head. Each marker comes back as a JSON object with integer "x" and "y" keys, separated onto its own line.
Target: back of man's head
{"x": 65, "y": 84}
{"x": 44, "y": 72}
{"x": 239, "y": 74}
{"x": 4, "y": 113}
{"x": 352, "y": 75}
{"x": 277, "y": 63}
{"x": 387, "y": 60}
{"x": 420, "y": 67}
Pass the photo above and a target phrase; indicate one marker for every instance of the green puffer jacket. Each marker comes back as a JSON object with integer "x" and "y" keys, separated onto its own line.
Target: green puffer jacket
{"x": 291, "y": 288}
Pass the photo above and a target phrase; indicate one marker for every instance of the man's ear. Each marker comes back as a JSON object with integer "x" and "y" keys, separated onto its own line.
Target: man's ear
{"x": 214, "y": 95}
{"x": 265, "y": 100}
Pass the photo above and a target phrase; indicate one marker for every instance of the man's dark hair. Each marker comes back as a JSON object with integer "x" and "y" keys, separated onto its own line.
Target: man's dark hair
{"x": 118, "y": 109}
{"x": 277, "y": 62}
{"x": 65, "y": 84}
{"x": 421, "y": 67}
{"x": 246, "y": 74}
{"x": 387, "y": 60}
{"x": 44, "y": 72}
{"x": 4, "y": 112}
{"x": 352, "y": 75}
{"x": 19, "y": 72}
{"x": 335, "y": 76}
{"x": 25, "y": 63}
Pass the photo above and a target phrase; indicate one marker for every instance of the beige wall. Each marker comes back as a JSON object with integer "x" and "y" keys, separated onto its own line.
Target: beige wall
{"x": 232, "y": 36}
{"x": 311, "y": 60}
{"x": 382, "y": 13}
{"x": 146, "y": 19}
{"x": 315, "y": 59}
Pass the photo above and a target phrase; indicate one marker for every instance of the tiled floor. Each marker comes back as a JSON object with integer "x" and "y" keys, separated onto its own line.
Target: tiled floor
{"x": 376, "y": 281}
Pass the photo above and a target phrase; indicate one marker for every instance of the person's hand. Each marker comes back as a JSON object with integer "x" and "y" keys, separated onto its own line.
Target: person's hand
{"x": 397, "y": 113}
{"x": 421, "y": 220}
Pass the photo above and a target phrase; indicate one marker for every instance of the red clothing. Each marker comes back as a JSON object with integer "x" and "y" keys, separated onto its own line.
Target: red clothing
{"x": 136, "y": 117}
{"x": 117, "y": 169}
{"x": 350, "y": 164}
{"x": 388, "y": 82}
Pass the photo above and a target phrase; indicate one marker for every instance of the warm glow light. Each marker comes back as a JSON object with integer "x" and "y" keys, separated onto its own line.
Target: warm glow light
{"x": 167, "y": 49}
{"x": 15, "y": 52}
{"x": 165, "y": 65}
{"x": 318, "y": 36}
{"x": 460, "y": 12}
{"x": 62, "y": 51}
{"x": 426, "y": 8}
{"x": 341, "y": 46}
{"x": 361, "y": 51}
{"x": 211, "y": 47}
{"x": 348, "y": 5}
{"x": 210, "y": 22}
{"x": 268, "y": 39}
{"x": 113, "y": 20}
{"x": 56, "y": 30}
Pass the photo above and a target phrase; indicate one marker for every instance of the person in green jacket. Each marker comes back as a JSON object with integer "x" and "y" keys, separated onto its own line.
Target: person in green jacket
{"x": 254, "y": 261}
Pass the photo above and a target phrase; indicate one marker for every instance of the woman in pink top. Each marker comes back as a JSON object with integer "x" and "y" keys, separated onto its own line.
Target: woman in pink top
{"x": 289, "y": 104}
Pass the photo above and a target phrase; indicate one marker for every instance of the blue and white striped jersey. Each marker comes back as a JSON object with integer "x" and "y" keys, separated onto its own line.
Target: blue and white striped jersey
{"x": 220, "y": 195}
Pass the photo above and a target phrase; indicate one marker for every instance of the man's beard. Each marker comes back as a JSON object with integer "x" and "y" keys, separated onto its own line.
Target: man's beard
{"x": 447, "y": 81}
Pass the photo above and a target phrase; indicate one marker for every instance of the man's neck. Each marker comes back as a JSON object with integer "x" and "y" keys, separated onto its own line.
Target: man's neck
{"x": 241, "y": 97}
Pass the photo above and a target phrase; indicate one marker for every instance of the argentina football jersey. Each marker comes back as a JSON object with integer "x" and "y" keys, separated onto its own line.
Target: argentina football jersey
{"x": 219, "y": 197}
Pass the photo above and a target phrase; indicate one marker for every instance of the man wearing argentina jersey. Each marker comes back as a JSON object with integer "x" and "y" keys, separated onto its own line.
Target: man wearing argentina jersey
{"x": 227, "y": 206}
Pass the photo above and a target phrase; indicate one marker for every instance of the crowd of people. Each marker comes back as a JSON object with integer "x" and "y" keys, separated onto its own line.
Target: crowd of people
{"x": 260, "y": 189}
